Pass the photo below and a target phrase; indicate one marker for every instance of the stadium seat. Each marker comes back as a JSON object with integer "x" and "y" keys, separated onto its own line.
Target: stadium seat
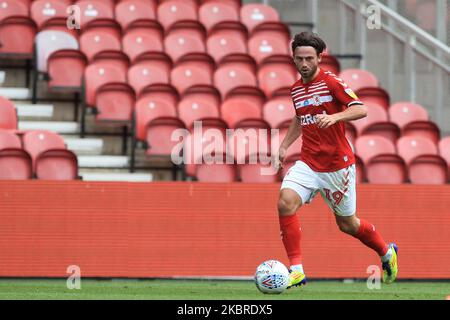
{"x": 403, "y": 113}
{"x": 269, "y": 39}
{"x": 226, "y": 39}
{"x": 374, "y": 95}
{"x": 114, "y": 58}
{"x": 360, "y": 170}
{"x": 8, "y": 114}
{"x": 369, "y": 146}
{"x": 411, "y": 147}
{"x": 51, "y": 159}
{"x": 276, "y": 73}
{"x": 94, "y": 9}
{"x": 217, "y": 172}
{"x": 350, "y": 132}
{"x": 15, "y": 163}
{"x": 386, "y": 169}
{"x": 198, "y": 103}
{"x": 142, "y": 37}
{"x": 426, "y": 129}
{"x": 65, "y": 69}
{"x": 357, "y": 78}
{"x": 148, "y": 71}
{"x": 114, "y": 103}
{"x": 49, "y": 41}
{"x": 12, "y": 45}
{"x": 43, "y": 10}
{"x": 94, "y": 41}
{"x": 237, "y": 4}
{"x": 228, "y": 77}
{"x": 428, "y": 169}
{"x": 279, "y": 111}
{"x": 241, "y": 106}
{"x": 129, "y": 11}
{"x": 59, "y": 24}
{"x": 192, "y": 70}
{"x": 330, "y": 63}
{"x": 377, "y": 123}
{"x": 12, "y": 8}
{"x": 255, "y": 14}
{"x": 444, "y": 151}
{"x": 185, "y": 39}
{"x": 171, "y": 12}
{"x": 260, "y": 172}
{"x": 214, "y": 12}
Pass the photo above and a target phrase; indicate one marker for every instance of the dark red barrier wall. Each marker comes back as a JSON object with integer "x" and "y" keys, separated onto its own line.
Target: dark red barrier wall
{"x": 193, "y": 229}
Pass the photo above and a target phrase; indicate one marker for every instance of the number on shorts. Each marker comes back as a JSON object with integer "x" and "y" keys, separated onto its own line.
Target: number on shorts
{"x": 337, "y": 196}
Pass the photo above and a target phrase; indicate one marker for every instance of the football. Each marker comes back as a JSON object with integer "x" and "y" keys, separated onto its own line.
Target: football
{"x": 272, "y": 277}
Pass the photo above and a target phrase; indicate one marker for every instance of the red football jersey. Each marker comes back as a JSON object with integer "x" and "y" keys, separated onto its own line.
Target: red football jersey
{"x": 324, "y": 150}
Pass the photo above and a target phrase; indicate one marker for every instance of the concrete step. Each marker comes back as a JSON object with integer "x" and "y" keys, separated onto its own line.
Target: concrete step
{"x": 103, "y": 161}
{"x": 60, "y": 127}
{"x": 15, "y": 93}
{"x": 111, "y": 176}
{"x": 34, "y": 110}
{"x": 87, "y": 146}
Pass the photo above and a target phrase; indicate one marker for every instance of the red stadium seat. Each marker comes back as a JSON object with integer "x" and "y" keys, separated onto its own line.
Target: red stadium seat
{"x": 377, "y": 123}
{"x": 8, "y": 114}
{"x": 374, "y": 95}
{"x": 143, "y": 37}
{"x": 96, "y": 75}
{"x": 146, "y": 72}
{"x": 217, "y": 172}
{"x": 51, "y": 159}
{"x": 237, "y": 4}
{"x": 260, "y": 172}
{"x": 15, "y": 163}
{"x": 114, "y": 103}
{"x": 43, "y": 10}
{"x": 428, "y": 169}
{"x": 95, "y": 41}
{"x": 250, "y": 142}
{"x": 330, "y": 63}
{"x": 228, "y": 77}
{"x": 12, "y": 45}
{"x": 276, "y": 73}
{"x": 243, "y": 106}
{"x": 214, "y": 12}
{"x": 369, "y": 146}
{"x": 444, "y": 149}
{"x": 114, "y": 58}
{"x": 386, "y": 169}
{"x": 426, "y": 129}
{"x": 94, "y": 9}
{"x": 199, "y": 103}
{"x": 253, "y": 15}
{"x": 65, "y": 69}
{"x": 129, "y": 11}
{"x": 159, "y": 133}
{"x": 410, "y": 147}
{"x": 357, "y": 78}
{"x": 174, "y": 11}
{"x": 279, "y": 111}
{"x": 350, "y": 132}
{"x": 403, "y": 113}
{"x": 185, "y": 39}
{"x": 226, "y": 39}
{"x": 193, "y": 70}
{"x": 158, "y": 101}
{"x": 11, "y": 8}
{"x": 269, "y": 39}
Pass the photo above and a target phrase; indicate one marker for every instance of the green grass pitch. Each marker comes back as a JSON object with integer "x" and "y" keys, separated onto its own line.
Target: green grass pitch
{"x": 215, "y": 290}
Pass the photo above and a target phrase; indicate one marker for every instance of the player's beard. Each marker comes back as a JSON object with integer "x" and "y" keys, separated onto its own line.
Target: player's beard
{"x": 308, "y": 74}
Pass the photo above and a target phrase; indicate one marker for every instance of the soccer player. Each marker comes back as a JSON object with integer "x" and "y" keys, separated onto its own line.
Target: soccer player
{"x": 323, "y": 103}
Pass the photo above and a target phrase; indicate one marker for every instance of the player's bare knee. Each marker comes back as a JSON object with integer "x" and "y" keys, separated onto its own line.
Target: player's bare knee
{"x": 347, "y": 226}
{"x": 288, "y": 204}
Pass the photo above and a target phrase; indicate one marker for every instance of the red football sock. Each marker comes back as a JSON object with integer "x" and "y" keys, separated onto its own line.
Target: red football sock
{"x": 371, "y": 238}
{"x": 291, "y": 235}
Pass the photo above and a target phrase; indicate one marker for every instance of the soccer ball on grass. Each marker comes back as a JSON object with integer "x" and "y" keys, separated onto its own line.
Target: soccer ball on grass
{"x": 272, "y": 277}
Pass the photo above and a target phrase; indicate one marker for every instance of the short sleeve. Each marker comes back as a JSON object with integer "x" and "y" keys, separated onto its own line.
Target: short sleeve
{"x": 341, "y": 91}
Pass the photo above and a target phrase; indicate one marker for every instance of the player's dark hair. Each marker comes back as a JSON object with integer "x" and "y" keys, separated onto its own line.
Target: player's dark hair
{"x": 308, "y": 39}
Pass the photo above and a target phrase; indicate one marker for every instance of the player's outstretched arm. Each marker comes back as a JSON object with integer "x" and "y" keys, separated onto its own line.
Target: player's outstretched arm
{"x": 353, "y": 112}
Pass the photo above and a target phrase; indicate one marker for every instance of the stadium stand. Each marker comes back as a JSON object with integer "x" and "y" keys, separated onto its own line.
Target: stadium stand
{"x": 149, "y": 67}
